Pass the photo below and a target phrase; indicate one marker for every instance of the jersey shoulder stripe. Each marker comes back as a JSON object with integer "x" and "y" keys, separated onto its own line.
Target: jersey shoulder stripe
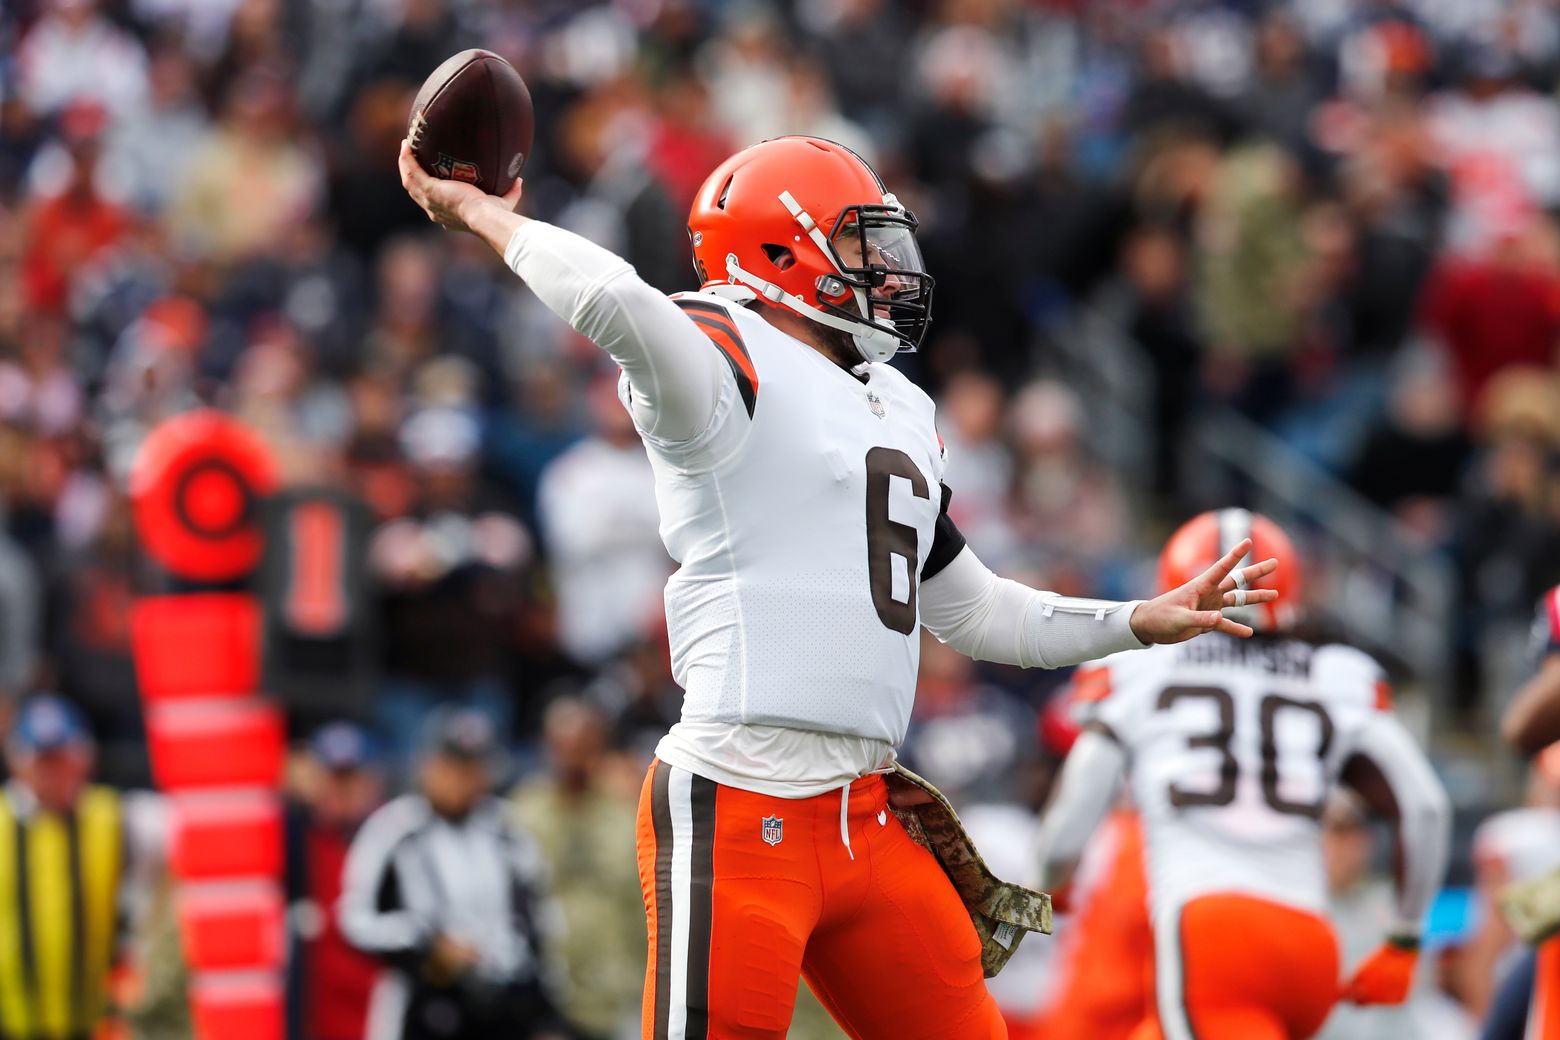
{"x": 718, "y": 325}
{"x": 1552, "y": 615}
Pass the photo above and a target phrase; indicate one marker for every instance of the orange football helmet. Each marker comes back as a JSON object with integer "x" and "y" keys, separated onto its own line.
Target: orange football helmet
{"x": 1199, "y": 543}
{"x": 805, "y": 224}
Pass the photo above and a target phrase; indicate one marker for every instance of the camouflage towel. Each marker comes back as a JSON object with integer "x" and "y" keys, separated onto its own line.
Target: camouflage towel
{"x": 1002, "y": 912}
{"x": 1532, "y": 907}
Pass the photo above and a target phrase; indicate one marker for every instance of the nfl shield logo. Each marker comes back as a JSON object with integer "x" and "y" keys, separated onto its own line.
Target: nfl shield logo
{"x": 772, "y": 830}
{"x": 875, "y": 403}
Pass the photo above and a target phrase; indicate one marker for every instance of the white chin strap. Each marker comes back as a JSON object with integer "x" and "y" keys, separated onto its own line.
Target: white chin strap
{"x": 872, "y": 343}
{"x": 874, "y": 337}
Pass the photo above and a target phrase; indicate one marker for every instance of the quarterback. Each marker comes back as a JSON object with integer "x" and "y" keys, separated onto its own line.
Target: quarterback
{"x": 1230, "y": 750}
{"x": 799, "y": 481}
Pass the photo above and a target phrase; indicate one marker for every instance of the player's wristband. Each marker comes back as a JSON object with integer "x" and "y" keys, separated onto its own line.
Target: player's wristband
{"x": 1404, "y": 942}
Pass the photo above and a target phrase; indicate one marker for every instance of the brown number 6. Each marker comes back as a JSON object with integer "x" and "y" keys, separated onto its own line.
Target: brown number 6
{"x": 887, "y": 538}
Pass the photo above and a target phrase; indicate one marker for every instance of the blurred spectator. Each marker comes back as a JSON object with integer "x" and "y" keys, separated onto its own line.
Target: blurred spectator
{"x": 970, "y": 415}
{"x": 811, "y": 110}
{"x": 596, "y": 505}
{"x": 149, "y": 147}
{"x": 1500, "y": 310}
{"x": 1508, "y": 528}
{"x": 1501, "y": 142}
{"x": 1253, "y": 259}
{"x": 581, "y": 813}
{"x": 1360, "y": 906}
{"x": 1167, "y": 96}
{"x": 91, "y": 854}
{"x": 251, "y": 180}
{"x": 76, "y": 225}
{"x": 604, "y": 142}
{"x": 21, "y": 606}
{"x": 1514, "y": 845}
{"x": 452, "y": 898}
{"x": 416, "y": 320}
{"x": 1412, "y": 461}
{"x": 1067, "y": 512}
{"x": 89, "y": 602}
{"x": 745, "y": 69}
{"x": 329, "y": 982}
{"x": 524, "y": 441}
{"x": 1277, "y": 103}
{"x": 38, "y": 389}
{"x": 366, "y": 201}
{"x": 449, "y": 574}
{"x": 639, "y": 694}
{"x": 967, "y": 733}
{"x": 75, "y": 53}
{"x": 1509, "y": 534}
{"x": 685, "y": 143}
{"x": 1399, "y": 197}
{"x": 860, "y": 44}
{"x": 1155, "y": 265}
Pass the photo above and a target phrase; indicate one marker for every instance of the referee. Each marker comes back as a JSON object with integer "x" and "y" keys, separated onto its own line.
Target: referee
{"x": 442, "y": 888}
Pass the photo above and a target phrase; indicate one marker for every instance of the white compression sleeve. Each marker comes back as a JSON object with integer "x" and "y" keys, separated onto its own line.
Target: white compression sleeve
{"x": 1082, "y": 797}
{"x": 1424, "y": 816}
{"x": 675, "y": 374}
{"x": 994, "y": 619}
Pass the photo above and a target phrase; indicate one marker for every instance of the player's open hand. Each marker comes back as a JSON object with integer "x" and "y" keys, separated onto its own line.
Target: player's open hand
{"x": 1197, "y": 606}
{"x": 447, "y": 202}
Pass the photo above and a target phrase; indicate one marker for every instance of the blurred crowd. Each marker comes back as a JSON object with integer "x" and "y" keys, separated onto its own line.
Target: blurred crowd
{"x": 1336, "y": 219}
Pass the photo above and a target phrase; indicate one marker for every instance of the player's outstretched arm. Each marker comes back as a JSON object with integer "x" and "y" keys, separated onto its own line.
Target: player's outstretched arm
{"x": 1532, "y": 719}
{"x": 1393, "y": 776}
{"x": 678, "y": 381}
{"x": 996, "y": 619}
{"x": 1082, "y": 797}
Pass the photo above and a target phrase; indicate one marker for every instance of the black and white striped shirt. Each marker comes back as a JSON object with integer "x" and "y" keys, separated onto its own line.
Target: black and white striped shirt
{"x": 413, "y": 875}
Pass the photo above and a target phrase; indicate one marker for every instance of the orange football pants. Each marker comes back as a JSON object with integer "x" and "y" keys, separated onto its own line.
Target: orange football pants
{"x": 1243, "y": 968}
{"x": 744, "y": 892}
{"x": 1105, "y": 948}
{"x": 1543, "y": 1021}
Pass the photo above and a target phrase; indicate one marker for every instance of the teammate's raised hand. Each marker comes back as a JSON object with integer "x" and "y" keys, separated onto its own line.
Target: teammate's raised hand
{"x": 447, "y": 202}
{"x": 1197, "y": 606}
{"x": 1386, "y": 976}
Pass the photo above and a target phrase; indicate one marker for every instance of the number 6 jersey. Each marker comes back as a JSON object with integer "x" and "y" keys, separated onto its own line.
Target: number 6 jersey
{"x": 805, "y": 507}
{"x": 802, "y": 536}
{"x": 1233, "y": 747}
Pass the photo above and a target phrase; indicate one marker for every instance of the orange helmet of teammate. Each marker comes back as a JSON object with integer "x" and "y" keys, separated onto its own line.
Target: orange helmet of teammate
{"x": 805, "y": 224}
{"x": 1199, "y": 543}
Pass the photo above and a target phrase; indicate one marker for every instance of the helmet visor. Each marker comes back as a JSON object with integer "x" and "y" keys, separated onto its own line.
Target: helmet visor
{"x": 875, "y": 249}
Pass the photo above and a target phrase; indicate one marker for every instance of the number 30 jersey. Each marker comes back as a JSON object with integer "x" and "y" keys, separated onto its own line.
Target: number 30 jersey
{"x": 802, "y": 522}
{"x": 1233, "y": 747}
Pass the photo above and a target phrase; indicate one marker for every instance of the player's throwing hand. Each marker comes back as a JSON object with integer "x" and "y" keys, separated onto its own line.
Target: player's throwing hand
{"x": 1195, "y": 607}
{"x": 447, "y": 202}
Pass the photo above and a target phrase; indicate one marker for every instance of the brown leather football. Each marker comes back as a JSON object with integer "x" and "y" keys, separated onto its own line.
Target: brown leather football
{"x": 473, "y": 121}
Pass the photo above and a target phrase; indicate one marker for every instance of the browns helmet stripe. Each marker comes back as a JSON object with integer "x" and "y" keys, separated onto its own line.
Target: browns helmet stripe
{"x": 1234, "y": 528}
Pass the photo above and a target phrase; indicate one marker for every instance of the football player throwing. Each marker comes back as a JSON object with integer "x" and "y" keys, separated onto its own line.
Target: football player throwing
{"x": 800, "y": 484}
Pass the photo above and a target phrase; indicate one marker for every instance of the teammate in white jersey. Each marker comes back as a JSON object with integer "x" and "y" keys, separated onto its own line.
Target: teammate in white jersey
{"x": 1230, "y": 750}
{"x": 799, "y": 480}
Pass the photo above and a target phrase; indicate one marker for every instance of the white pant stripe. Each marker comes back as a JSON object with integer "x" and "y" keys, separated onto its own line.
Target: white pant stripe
{"x": 1170, "y": 979}
{"x": 678, "y": 789}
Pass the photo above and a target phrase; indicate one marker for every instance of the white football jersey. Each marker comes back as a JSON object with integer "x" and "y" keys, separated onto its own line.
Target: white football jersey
{"x": 1233, "y": 747}
{"x": 800, "y": 538}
